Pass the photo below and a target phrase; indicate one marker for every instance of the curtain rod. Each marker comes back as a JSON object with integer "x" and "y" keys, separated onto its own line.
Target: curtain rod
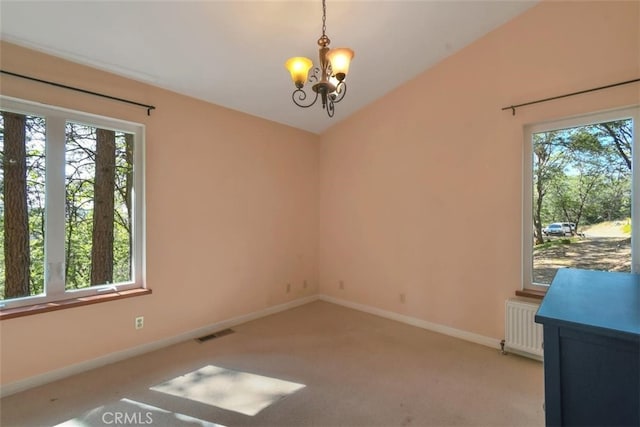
{"x": 513, "y": 107}
{"x": 22, "y": 76}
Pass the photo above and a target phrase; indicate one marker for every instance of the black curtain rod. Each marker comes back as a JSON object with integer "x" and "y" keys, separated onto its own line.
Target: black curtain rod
{"x": 22, "y": 76}
{"x": 513, "y": 107}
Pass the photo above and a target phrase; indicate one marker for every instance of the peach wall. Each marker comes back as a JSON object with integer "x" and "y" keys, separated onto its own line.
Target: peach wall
{"x": 231, "y": 219}
{"x": 420, "y": 192}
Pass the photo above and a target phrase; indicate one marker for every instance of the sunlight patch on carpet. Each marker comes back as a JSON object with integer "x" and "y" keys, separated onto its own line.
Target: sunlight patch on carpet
{"x": 129, "y": 412}
{"x": 232, "y": 390}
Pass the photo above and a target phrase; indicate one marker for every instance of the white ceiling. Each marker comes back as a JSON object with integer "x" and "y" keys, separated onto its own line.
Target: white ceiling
{"x": 232, "y": 53}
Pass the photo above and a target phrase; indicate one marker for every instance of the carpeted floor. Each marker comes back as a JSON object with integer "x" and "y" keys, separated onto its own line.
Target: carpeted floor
{"x": 316, "y": 365}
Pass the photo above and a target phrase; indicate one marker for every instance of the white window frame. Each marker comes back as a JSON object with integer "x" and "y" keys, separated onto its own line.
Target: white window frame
{"x": 527, "y": 189}
{"x": 54, "y": 281}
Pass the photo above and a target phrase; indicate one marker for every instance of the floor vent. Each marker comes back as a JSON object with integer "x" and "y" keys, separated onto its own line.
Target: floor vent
{"x": 215, "y": 335}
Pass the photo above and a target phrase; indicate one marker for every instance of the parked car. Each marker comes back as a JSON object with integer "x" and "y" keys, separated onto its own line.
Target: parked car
{"x": 557, "y": 229}
{"x": 571, "y": 225}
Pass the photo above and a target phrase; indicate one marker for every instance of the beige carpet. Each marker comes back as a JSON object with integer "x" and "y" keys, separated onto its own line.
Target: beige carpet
{"x": 316, "y": 365}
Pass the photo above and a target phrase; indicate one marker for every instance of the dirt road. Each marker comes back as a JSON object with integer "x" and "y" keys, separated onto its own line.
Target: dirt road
{"x": 591, "y": 252}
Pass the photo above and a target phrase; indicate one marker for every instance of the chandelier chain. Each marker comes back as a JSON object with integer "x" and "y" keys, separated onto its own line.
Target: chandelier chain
{"x": 324, "y": 17}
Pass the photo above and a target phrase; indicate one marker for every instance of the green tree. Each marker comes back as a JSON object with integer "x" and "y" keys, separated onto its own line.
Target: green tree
{"x": 103, "y": 215}
{"x": 80, "y": 172}
{"x": 81, "y": 205}
{"x": 549, "y": 160}
{"x": 16, "y": 219}
{"x": 35, "y": 149}
{"x": 591, "y": 179}
{"x": 621, "y": 135}
{"x": 587, "y": 164}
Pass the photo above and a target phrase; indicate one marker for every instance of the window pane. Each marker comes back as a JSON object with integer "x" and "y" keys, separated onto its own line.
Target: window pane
{"x": 22, "y": 205}
{"x": 582, "y": 199}
{"x": 99, "y": 180}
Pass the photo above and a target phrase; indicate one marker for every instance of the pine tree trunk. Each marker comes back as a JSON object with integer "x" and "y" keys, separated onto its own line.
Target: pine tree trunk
{"x": 16, "y": 217}
{"x": 103, "y": 215}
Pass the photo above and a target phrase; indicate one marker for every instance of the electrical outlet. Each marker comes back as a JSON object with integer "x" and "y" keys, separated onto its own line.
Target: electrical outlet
{"x": 403, "y": 298}
{"x": 139, "y": 322}
{"x": 304, "y": 285}
{"x": 288, "y": 287}
{"x": 341, "y": 284}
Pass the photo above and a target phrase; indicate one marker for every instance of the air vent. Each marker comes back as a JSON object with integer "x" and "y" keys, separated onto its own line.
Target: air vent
{"x": 215, "y": 335}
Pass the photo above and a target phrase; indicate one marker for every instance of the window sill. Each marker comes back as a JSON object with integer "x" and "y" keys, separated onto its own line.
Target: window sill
{"x": 531, "y": 294}
{"x": 29, "y": 310}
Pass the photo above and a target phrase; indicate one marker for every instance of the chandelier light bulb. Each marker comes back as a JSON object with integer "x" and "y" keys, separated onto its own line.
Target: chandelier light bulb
{"x": 340, "y": 58}
{"x": 299, "y": 67}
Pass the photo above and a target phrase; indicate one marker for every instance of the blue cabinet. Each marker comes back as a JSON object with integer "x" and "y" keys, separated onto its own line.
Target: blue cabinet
{"x": 591, "y": 324}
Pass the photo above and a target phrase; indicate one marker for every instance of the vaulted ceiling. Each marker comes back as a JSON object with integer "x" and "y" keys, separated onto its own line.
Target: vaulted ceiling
{"x": 232, "y": 53}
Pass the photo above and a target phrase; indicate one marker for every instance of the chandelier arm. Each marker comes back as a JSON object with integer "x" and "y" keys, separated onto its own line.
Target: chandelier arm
{"x": 301, "y": 96}
{"x": 330, "y": 107}
{"x": 313, "y": 75}
{"x": 340, "y": 92}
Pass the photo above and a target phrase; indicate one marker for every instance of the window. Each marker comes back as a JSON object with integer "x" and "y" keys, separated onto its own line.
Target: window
{"x": 580, "y": 196}
{"x": 71, "y": 204}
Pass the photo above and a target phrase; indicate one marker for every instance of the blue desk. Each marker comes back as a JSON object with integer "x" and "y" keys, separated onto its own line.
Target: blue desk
{"x": 591, "y": 323}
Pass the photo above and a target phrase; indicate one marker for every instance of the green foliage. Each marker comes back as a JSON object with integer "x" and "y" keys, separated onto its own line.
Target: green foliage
{"x": 80, "y": 172}
{"x": 80, "y": 154}
{"x": 583, "y": 175}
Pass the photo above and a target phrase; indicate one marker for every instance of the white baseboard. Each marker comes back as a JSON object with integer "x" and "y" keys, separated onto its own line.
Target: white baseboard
{"x": 534, "y": 356}
{"x": 118, "y": 356}
{"x": 413, "y": 321}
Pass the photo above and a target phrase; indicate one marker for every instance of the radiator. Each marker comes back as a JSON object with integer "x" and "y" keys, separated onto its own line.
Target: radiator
{"x": 523, "y": 335}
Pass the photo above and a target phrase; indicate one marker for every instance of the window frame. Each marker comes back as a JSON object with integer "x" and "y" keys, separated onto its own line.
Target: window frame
{"x": 630, "y": 112}
{"x": 56, "y": 119}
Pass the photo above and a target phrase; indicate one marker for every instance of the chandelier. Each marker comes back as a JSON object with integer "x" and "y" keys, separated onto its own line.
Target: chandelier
{"x": 327, "y": 78}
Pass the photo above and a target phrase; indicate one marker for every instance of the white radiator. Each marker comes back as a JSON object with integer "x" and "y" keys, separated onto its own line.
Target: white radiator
{"x": 523, "y": 335}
